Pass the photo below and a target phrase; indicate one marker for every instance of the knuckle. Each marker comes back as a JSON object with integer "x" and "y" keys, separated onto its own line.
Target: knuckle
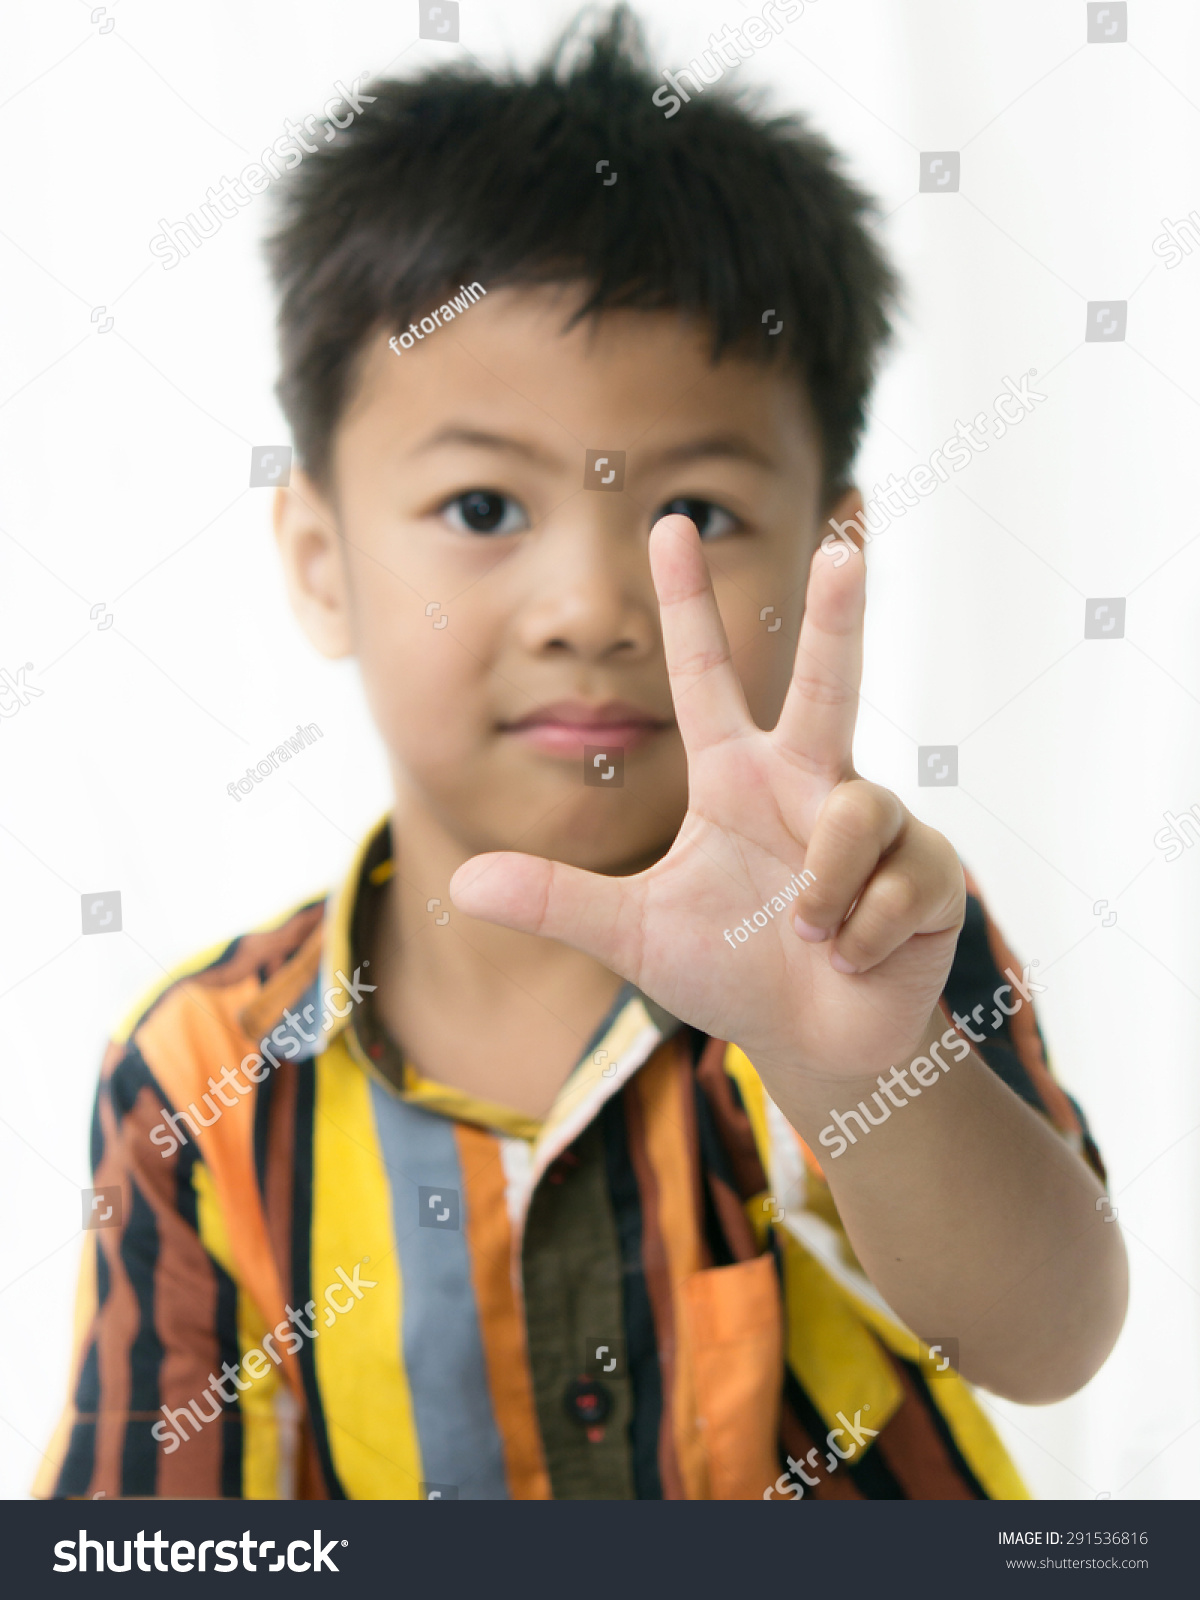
{"x": 857, "y": 810}
{"x": 697, "y": 663}
{"x": 821, "y": 690}
{"x": 896, "y": 897}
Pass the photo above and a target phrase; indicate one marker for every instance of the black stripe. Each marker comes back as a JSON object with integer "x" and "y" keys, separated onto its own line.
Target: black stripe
{"x": 712, "y": 1159}
{"x": 96, "y": 1150}
{"x": 231, "y": 1410}
{"x": 868, "y": 1471}
{"x": 139, "y": 1256}
{"x": 80, "y": 1455}
{"x": 139, "y": 1459}
{"x": 306, "y": 1100}
{"x": 78, "y": 1462}
{"x": 972, "y": 983}
{"x": 262, "y": 1130}
{"x": 641, "y": 1344}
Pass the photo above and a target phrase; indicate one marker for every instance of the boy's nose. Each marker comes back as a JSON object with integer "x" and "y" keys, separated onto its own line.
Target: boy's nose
{"x": 591, "y": 595}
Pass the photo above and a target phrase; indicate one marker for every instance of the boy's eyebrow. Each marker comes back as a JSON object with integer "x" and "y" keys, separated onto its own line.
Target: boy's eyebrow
{"x": 482, "y": 439}
{"x": 731, "y": 446}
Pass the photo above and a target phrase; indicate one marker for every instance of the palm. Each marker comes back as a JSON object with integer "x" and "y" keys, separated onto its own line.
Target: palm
{"x": 754, "y": 801}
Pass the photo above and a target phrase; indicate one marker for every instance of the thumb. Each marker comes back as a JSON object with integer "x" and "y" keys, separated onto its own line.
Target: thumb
{"x": 547, "y": 898}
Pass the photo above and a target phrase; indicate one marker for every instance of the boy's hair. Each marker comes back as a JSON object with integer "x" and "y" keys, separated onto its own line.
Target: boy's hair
{"x": 458, "y": 175}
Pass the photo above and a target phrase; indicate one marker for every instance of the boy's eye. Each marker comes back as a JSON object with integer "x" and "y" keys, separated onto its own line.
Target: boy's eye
{"x": 484, "y": 511}
{"x": 712, "y": 521}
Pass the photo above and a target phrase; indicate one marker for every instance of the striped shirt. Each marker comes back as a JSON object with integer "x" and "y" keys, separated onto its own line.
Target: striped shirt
{"x": 321, "y": 1274}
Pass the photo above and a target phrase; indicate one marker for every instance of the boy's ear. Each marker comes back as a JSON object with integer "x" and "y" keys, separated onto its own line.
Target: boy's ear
{"x": 314, "y": 565}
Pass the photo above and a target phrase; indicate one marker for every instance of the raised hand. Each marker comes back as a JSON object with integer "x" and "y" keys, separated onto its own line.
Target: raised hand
{"x": 840, "y": 979}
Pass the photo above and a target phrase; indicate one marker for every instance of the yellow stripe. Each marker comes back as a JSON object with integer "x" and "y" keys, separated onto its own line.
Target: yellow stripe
{"x": 839, "y": 1364}
{"x": 364, "y": 1387}
{"x": 260, "y": 1435}
{"x": 972, "y": 1431}
{"x": 210, "y": 1220}
{"x": 754, "y": 1098}
{"x": 978, "y": 1441}
{"x": 260, "y": 1432}
{"x": 337, "y": 954}
{"x": 462, "y": 1107}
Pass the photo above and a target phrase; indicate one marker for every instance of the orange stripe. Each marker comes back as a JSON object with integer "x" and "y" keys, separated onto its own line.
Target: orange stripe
{"x": 501, "y": 1322}
{"x": 656, "y": 1269}
{"x": 735, "y": 1326}
{"x": 183, "y": 1042}
{"x": 663, "y": 1089}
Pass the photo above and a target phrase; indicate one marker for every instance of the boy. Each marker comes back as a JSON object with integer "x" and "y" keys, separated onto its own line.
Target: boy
{"x": 555, "y": 1164}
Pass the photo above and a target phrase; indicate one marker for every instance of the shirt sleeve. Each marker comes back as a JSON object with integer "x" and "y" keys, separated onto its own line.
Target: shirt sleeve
{"x": 157, "y": 1316}
{"x": 989, "y": 993}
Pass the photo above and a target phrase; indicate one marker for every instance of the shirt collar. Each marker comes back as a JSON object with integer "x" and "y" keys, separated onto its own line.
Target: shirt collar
{"x": 633, "y": 1029}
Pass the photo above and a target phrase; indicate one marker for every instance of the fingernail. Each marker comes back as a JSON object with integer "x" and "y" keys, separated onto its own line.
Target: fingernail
{"x": 807, "y": 931}
{"x": 839, "y": 963}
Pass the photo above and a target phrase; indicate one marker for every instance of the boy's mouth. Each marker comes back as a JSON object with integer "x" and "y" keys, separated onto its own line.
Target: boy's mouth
{"x": 566, "y": 726}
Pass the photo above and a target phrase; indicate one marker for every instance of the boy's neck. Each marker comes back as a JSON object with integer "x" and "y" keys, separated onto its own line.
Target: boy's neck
{"x": 501, "y": 1015}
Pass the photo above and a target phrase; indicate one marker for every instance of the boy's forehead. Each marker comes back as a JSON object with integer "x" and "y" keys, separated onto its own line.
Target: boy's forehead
{"x": 615, "y": 378}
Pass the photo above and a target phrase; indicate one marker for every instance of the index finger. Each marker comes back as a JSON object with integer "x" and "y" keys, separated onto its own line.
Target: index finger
{"x": 709, "y": 704}
{"x": 821, "y": 708}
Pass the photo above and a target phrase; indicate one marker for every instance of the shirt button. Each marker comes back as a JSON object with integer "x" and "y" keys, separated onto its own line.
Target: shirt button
{"x": 587, "y": 1401}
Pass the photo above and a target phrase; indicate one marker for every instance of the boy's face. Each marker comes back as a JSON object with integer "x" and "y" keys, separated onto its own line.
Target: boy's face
{"x": 498, "y": 596}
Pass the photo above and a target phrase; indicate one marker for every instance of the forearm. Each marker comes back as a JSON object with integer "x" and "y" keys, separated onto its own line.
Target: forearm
{"x": 975, "y": 1221}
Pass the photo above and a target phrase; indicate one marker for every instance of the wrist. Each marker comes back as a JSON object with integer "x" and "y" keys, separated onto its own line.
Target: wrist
{"x": 818, "y": 1103}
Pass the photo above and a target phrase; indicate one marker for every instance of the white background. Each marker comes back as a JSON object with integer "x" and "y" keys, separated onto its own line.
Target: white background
{"x": 126, "y": 462}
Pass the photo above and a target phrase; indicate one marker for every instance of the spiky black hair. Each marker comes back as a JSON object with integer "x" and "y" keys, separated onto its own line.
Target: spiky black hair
{"x": 458, "y": 175}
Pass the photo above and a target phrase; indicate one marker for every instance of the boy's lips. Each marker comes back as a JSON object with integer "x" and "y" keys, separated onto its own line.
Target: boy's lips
{"x": 566, "y": 726}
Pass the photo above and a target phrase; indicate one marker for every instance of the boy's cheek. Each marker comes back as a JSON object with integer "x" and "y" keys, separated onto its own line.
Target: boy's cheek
{"x": 426, "y": 701}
